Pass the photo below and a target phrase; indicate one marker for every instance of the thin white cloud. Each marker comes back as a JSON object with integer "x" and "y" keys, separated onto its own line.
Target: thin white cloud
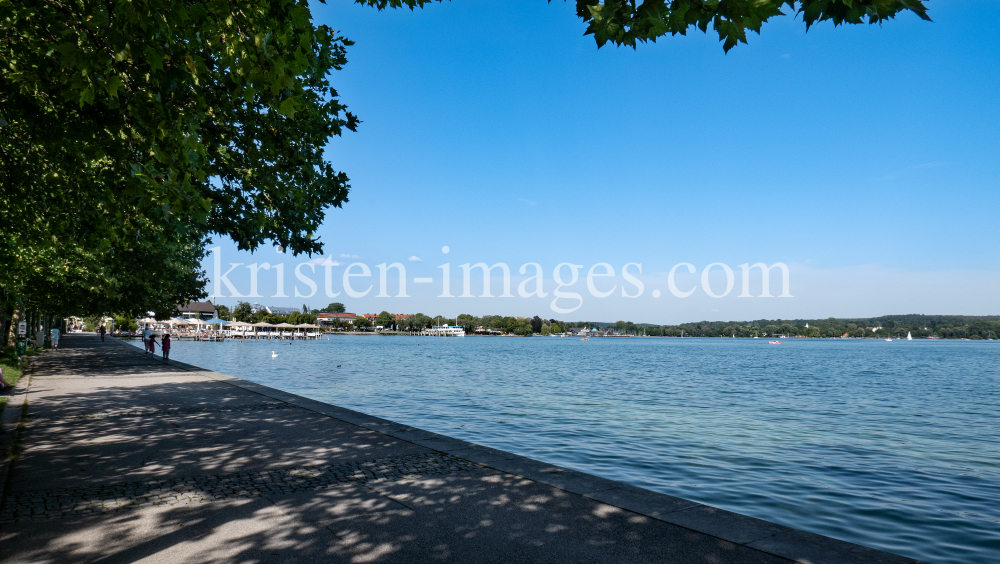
{"x": 529, "y": 202}
{"x": 345, "y": 255}
{"x": 415, "y": 258}
{"x": 324, "y": 261}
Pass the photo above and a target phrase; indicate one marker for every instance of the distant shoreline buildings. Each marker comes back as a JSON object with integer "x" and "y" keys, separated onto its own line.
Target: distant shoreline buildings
{"x": 921, "y": 326}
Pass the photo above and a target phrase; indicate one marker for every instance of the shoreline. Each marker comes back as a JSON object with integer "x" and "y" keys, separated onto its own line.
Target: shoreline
{"x": 771, "y": 538}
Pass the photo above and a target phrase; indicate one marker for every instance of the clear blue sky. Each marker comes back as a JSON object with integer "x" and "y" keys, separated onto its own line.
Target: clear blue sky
{"x": 866, "y": 158}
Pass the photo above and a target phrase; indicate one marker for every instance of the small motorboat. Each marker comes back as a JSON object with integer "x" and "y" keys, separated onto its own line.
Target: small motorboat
{"x": 889, "y": 340}
{"x": 584, "y": 339}
{"x": 774, "y": 342}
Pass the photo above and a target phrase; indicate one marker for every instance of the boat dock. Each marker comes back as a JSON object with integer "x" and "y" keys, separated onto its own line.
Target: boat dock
{"x": 220, "y": 336}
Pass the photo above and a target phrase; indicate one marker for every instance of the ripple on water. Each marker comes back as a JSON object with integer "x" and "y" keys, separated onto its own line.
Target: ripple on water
{"x": 891, "y": 445}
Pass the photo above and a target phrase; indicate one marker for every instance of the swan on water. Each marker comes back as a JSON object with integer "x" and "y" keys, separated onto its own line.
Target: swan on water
{"x": 274, "y": 354}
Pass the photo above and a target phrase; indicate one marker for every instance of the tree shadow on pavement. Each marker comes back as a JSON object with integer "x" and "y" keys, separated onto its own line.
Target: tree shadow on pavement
{"x": 187, "y": 469}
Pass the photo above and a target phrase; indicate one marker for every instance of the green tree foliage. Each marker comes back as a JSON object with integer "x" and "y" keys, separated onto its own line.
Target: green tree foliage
{"x": 385, "y": 319}
{"x": 467, "y": 322}
{"x": 920, "y": 326}
{"x": 131, "y": 131}
{"x": 362, "y": 323}
{"x": 202, "y": 115}
{"x": 243, "y": 312}
{"x": 627, "y": 23}
{"x": 416, "y": 322}
{"x": 894, "y": 326}
{"x": 132, "y": 275}
{"x": 522, "y": 326}
{"x": 91, "y": 322}
{"x": 294, "y": 318}
{"x": 125, "y": 323}
{"x": 335, "y": 307}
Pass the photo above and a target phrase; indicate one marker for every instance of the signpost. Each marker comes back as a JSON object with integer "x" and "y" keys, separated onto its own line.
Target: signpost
{"x": 21, "y": 344}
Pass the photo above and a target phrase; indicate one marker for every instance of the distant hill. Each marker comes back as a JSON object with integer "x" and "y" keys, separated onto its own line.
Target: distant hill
{"x": 919, "y": 325}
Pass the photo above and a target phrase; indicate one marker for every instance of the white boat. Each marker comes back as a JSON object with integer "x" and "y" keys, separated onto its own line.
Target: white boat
{"x": 890, "y": 340}
{"x": 909, "y": 337}
{"x": 444, "y": 331}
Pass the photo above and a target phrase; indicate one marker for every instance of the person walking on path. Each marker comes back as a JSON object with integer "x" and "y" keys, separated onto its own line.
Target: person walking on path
{"x": 103, "y": 331}
{"x": 146, "y": 336}
{"x": 165, "y": 345}
{"x": 55, "y": 337}
{"x": 152, "y": 346}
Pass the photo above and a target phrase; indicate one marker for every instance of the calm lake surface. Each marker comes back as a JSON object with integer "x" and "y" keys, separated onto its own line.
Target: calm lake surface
{"x": 891, "y": 445}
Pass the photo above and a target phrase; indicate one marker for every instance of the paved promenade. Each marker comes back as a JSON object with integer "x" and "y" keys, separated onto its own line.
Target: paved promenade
{"x": 128, "y": 459}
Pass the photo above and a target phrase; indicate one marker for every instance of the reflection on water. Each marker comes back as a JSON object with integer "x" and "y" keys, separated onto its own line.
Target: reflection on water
{"x": 891, "y": 445}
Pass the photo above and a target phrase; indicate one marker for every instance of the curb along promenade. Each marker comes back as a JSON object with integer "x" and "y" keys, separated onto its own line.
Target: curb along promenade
{"x": 129, "y": 459}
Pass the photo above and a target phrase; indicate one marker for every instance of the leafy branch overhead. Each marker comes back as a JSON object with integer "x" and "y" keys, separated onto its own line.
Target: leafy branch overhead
{"x": 207, "y": 116}
{"x": 626, "y": 22}
{"x": 133, "y": 130}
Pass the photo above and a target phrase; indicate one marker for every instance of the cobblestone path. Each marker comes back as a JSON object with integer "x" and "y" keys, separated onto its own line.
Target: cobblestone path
{"x": 45, "y": 505}
{"x": 106, "y": 460}
{"x": 164, "y": 412}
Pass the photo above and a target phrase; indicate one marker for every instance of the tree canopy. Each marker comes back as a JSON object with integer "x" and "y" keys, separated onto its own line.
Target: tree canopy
{"x": 131, "y": 132}
{"x": 385, "y": 319}
{"x": 202, "y": 116}
{"x": 630, "y": 22}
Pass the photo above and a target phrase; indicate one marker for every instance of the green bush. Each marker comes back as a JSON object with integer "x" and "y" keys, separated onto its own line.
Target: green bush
{"x": 8, "y": 361}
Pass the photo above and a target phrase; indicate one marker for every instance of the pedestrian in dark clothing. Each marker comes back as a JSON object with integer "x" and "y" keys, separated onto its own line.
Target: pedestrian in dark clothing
{"x": 103, "y": 331}
{"x": 151, "y": 343}
{"x": 165, "y": 345}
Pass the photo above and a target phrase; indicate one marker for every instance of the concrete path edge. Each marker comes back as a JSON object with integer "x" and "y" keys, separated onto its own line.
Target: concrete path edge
{"x": 771, "y": 538}
{"x": 9, "y": 422}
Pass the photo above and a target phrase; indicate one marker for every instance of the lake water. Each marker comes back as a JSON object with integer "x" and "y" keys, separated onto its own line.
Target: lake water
{"x": 891, "y": 445}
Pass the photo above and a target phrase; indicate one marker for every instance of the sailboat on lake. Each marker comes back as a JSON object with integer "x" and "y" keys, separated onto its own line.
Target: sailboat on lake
{"x": 909, "y": 337}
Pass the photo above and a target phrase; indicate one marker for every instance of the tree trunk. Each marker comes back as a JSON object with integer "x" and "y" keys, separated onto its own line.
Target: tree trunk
{"x": 9, "y": 320}
{"x": 4, "y": 327}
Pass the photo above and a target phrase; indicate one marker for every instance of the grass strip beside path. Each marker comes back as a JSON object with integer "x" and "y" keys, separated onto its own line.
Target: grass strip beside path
{"x": 11, "y": 371}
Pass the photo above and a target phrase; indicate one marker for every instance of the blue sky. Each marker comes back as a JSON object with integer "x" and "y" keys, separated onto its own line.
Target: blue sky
{"x": 863, "y": 157}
